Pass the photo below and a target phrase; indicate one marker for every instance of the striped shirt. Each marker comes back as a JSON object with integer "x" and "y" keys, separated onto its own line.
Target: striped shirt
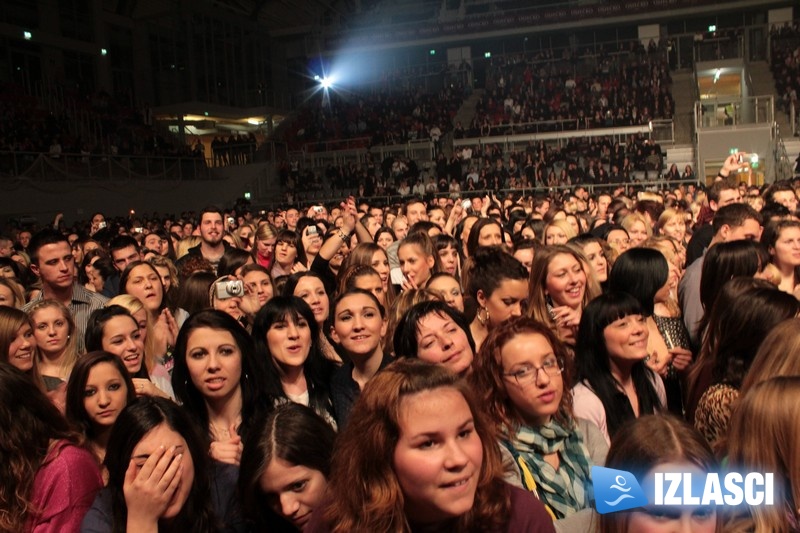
{"x": 82, "y": 304}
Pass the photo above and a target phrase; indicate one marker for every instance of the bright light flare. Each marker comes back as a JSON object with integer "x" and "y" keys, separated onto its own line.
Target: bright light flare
{"x": 326, "y": 82}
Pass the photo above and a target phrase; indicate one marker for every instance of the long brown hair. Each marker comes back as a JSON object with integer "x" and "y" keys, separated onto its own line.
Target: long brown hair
{"x": 487, "y": 373}
{"x": 28, "y": 423}
{"x": 762, "y": 437}
{"x": 643, "y": 443}
{"x": 366, "y": 495}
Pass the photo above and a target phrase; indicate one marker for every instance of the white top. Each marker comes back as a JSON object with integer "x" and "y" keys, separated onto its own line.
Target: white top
{"x": 586, "y": 404}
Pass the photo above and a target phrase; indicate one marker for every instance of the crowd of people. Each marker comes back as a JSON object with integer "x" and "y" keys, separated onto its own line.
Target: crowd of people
{"x": 599, "y": 161}
{"x": 628, "y": 87}
{"x": 230, "y": 370}
{"x": 785, "y": 64}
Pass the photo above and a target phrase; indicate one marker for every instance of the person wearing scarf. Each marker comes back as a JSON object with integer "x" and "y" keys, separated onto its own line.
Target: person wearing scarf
{"x": 522, "y": 375}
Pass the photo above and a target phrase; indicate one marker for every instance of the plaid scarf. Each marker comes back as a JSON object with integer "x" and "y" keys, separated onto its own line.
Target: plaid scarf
{"x": 568, "y": 489}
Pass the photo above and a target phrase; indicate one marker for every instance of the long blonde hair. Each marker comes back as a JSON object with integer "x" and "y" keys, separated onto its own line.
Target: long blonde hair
{"x": 133, "y": 305}
{"x": 71, "y": 349}
{"x": 762, "y": 437}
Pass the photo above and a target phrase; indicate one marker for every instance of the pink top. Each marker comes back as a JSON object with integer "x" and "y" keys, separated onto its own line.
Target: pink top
{"x": 64, "y": 489}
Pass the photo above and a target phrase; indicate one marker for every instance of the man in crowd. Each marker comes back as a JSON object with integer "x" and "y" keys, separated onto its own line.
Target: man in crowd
{"x": 52, "y": 261}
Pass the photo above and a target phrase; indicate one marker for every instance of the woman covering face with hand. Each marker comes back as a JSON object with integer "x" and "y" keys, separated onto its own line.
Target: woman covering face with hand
{"x": 160, "y": 477}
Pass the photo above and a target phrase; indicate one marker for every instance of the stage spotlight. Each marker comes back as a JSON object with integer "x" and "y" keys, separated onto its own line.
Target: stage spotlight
{"x": 326, "y": 82}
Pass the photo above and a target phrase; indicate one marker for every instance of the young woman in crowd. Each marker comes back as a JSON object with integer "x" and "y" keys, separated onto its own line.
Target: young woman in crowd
{"x": 257, "y": 282}
{"x": 142, "y": 280}
{"x": 232, "y": 262}
{"x": 644, "y": 274}
{"x": 98, "y": 390}
{"x": 418, "y": 260}
{"x": 499, "y": 285}
{"x": 721, "y": 263}
{"x": 218, "y": 379}
{"x": 285, "y": 468}
{"x": 739, "y": 329}
{"x": 370, "y": 254}
{"x": 169, "y": 275}
{"x": 672, "y": 223}
{"x": 310, "y": 287}
{"x": 436, "y": 333}
{"x": 614, "y": 383}
{"x": 447, "y": 248}
{"x": 418, "y": 470}
{"x": 485, "y": 232}
{"x": 365, "y": 278}
{"x": 637, "y": 227}
{"x": 289, "y": 256}
{"x": 264, "y": 249}
{"x": 155, "y": 336}
{"x": 48, "y": 481}
{"x": 17, "y": 343}
{"x": 359, "y": 325}
{"x": 594, "y": 251}
{"x": 559, "y": 290}
{"x": 384, "y": 237}
{"x": 782, "y": 238}
{"x": 655, "y": 443}
{"x": 405, "y": 301}
{"x": 54, "y": 332}
{"x": 522, "y": 378}
{"x": 775, "y": 356}
{"x": 160, "y": 477}
{"x": 113, "y": 329}
{"x": 11, "y": 293}
{"x": 558, "y": 232}
{"x": 762, "y": 437}
{"x": 193, "y": 294}
{"x": 286, "y": 336}
{"x": 449, "y": 289}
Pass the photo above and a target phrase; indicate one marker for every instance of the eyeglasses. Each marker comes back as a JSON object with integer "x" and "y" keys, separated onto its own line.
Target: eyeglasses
{"x": 526, "y": 375}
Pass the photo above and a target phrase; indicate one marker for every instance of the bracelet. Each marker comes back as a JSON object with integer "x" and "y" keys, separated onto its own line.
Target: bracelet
{"x": 343, "y": 235}
{"x": 719, "y": 175}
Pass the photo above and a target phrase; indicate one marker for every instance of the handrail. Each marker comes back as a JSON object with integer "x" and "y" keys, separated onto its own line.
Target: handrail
{"x": 78, "y": 167}
{"x": 388, "y": 199}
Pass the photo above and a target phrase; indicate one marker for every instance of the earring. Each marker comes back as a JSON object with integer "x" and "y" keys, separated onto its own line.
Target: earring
{"x": 483, "y": 319}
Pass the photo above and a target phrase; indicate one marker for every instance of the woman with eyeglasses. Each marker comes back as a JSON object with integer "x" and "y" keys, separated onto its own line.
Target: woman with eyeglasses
{"x": 521, "y": 376}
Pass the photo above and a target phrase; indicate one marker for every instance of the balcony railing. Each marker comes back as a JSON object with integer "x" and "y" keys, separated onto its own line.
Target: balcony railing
{"x": 76, "y": 167}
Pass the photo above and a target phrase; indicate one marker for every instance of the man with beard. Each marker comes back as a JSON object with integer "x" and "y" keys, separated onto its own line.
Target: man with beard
{"x": 211, "y": 246}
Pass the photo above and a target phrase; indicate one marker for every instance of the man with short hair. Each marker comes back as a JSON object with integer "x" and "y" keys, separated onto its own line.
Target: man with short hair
{"x": 212, "y": 245}
{"x": 124, "y": 250}
{"x": 292, "y": 216}
{"x": 6, "y": 246}
{"x": 24, "y": 239}
{"x": 52, "y": 261}
{"x": 782, "y": 193}
{"x": 731, "y": 223}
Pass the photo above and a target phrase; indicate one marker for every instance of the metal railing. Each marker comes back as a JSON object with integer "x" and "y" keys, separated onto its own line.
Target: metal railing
{"x": 726, "y": 112}
{"x": 76, "y": 167}
{"x": 335, "y": 197}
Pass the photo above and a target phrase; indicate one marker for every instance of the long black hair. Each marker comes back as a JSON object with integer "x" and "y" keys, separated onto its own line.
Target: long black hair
{"x": 252, "y": 377}
{"x": 135, "y": 421}
{"x": 592, "y": 363}
{"x": 640, "y": 272}
{"x": 316, "y": 369}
